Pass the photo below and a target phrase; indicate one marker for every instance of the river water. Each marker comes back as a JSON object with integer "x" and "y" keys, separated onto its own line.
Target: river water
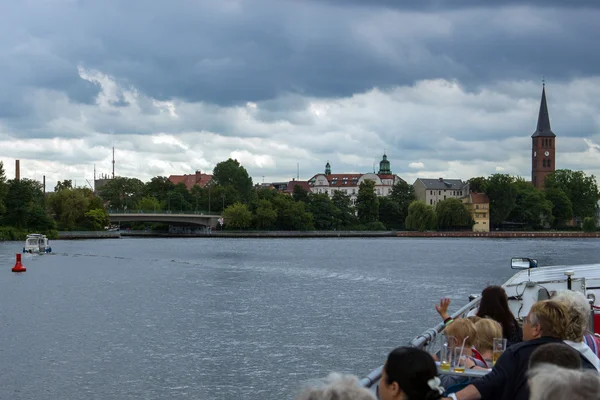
{"x": 231, "y": 319}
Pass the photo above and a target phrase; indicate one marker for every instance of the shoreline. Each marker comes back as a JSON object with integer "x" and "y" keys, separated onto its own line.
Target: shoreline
{"x": 81, "y": 235}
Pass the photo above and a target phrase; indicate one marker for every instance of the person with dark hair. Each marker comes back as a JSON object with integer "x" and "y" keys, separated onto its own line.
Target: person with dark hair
{"x": 409, "y": 374}
{"x": 559, "y": 354}
{"x": 494, "y": 305}
{"x": 546, "y": 323}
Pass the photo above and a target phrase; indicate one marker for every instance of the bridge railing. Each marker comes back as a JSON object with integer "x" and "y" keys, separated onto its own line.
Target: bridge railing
{"x": 164, "y": 212}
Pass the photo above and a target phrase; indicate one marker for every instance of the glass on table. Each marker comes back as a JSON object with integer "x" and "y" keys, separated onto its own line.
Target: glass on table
{"x": 460, "y": 359}
{"x": 498, "y": 348}
{"x": 446, "y": 352}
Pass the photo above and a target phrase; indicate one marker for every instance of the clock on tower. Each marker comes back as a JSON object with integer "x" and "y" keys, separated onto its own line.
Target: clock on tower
{"x": 543, "y": 146}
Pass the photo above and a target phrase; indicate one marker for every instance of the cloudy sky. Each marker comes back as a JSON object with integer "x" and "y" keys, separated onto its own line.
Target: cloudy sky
{"x": 446, "y": 88}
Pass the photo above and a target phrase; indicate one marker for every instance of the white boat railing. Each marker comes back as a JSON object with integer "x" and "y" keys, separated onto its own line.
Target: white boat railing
{"x": 425, "y": 339}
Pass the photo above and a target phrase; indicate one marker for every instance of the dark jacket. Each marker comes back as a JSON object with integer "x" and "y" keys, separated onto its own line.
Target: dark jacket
{"x": 514, "y": 335}
{"x": 508, "y": 378}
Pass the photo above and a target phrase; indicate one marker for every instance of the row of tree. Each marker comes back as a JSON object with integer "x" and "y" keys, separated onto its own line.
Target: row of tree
{"x": 231, "y": 192}
{"x": 567, "y": 194}
{"x": 22, "y": 208}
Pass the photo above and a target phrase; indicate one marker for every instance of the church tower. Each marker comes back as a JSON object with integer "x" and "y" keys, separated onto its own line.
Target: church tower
{"x": 327, "y": 168}
{"x": 543, "y": 144}
{"x": 384, "y": 166}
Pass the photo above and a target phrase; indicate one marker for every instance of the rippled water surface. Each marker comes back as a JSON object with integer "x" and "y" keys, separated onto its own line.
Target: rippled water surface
{"x": 231, "y": 319}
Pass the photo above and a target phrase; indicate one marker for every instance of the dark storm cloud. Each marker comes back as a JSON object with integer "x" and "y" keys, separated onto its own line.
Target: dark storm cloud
{"x": 429, "y": 5}
{"x": 231, "y": 52}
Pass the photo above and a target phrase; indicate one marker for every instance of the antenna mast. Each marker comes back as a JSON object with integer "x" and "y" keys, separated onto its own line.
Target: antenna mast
{"x": 113, "y": 162}
{"x": 297, "y": 171}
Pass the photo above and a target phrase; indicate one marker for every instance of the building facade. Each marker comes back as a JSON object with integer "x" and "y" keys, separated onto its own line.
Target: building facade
{"x": 349, "y": 184}
{"x": 478, "y": 205}
{"x": 432, "y": 191}
{"x": 543, "y": 146}
{"x": 191, "y": 180}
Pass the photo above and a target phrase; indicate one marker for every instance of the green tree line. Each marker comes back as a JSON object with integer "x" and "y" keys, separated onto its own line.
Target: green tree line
{"x": 23, "y": 207}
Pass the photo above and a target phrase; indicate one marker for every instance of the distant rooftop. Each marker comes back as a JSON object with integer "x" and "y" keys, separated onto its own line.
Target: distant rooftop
{"x": 442, "y": 184}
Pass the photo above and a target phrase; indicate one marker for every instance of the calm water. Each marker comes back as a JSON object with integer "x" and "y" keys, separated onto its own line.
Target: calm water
{"x": 231, "y": 319}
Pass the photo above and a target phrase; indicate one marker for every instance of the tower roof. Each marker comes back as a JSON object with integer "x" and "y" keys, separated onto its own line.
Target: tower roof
{"x": 543, "y": 124}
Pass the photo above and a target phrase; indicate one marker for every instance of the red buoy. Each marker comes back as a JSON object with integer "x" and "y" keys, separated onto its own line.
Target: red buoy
{"x": 18, "y": 266}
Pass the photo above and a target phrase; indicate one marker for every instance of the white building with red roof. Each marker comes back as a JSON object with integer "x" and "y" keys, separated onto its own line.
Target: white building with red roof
{"x": 329, "y": 183}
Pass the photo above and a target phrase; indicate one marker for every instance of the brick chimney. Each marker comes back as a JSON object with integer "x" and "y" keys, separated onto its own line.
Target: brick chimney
{"x": 17, "y": 170}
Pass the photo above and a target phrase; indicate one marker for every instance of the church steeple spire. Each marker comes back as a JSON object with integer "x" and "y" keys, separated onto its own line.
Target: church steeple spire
{"x": 543, "y": 146}
{"x": 543, "y": 123}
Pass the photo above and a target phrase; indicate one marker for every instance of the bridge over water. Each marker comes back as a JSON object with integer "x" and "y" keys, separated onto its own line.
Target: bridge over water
{"x": 188, "y": 217}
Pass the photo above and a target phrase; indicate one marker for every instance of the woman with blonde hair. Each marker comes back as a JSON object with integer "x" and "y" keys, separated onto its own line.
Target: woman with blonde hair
{"x": 487, "y": 329}
{"x": 463, "y": 331}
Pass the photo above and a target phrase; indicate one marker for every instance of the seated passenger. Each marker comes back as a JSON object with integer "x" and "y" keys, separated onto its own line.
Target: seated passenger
{"x": 487, "y": 329}
{"x": 463, "y": 331}
{"x": 494, "y": 305}
{"x": 336, "y": 387}
{"x": 545, "y": 323}
{"x": 559, "y": 354}
{"x": 579, "y": 314}
{"x": 409, "y": 374}
{"x": 550, "y": 382}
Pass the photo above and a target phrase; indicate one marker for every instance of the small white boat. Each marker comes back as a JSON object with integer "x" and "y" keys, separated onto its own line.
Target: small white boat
{"x": 37, "y": 243}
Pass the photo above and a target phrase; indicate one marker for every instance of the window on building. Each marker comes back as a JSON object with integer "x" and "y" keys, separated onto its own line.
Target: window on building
{"x": 353, "y": 191}
{"x": 477, "y": 206}
{"x": 484, "y": 215}
{"x": 440, "y": 193}
{"x": 548, "y": 163}
{"x": 484, "y": 222}
{"x": 444, "y": 197}
{"x": 430, "y": 201}
{"x": 544, "y": 163}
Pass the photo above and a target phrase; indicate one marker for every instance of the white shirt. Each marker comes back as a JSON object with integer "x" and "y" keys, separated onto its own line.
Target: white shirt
{"x": 585, "y": 351}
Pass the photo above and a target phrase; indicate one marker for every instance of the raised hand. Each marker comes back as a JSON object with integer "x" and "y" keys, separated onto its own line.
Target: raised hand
{"x": 442, "y": 308}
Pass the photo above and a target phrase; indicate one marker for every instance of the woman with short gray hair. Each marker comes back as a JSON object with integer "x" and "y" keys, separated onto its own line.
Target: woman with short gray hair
{"x": 550, "y": 382}
{"x": 579, "y": 314}
{"x": 336, "y": 387}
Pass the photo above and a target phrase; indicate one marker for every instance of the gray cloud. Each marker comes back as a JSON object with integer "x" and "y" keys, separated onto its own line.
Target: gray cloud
{"x": 182, "y": 85}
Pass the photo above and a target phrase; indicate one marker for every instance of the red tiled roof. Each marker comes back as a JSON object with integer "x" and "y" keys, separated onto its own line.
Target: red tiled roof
{"x": 338, "y": 179}
{"x": 385, "y": 176}
{"x": 190, "y": 180}
{"x": 290, "y": 187}
{"x": 479, "y": 198}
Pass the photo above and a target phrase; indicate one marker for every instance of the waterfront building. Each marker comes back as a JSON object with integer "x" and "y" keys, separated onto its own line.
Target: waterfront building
{"x": 289, "y": 188}
{"x": 349, "y": 183}
{"x": 192, "y": 180}
{"x": 478, "y": 205}
{"x": 543, "y": 146}
{"x": 432, "y": 191}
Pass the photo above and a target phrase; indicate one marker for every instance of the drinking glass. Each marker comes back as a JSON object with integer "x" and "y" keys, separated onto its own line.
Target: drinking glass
{"x": 446, "y": 352}
{"x": 460, "y": 359}
{"x": 498, "y": 348}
